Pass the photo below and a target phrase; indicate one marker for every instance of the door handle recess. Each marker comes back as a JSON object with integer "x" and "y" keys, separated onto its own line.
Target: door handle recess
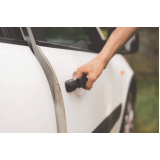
{"x": 72, "y": 84}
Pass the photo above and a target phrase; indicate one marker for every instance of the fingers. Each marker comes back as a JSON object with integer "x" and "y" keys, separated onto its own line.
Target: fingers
{"x": 90, "y": 82}
{"x": 80, "y": 72}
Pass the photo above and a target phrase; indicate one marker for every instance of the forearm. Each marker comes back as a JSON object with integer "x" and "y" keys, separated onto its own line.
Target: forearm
{"x": 95, "y": 67}
{"x": 116, "y": 41}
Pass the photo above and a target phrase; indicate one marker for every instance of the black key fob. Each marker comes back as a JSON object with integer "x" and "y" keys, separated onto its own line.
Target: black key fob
{"x": 72, "y": 84}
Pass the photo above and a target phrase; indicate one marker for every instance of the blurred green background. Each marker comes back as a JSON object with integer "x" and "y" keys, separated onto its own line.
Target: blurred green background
{"x": 145, "y": 64}
{"x": 147, "y": 105}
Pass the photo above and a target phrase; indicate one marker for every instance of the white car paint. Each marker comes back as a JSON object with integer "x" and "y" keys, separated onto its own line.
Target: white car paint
{"x": 32, "y": 101}
{"x": 26, "y": 103}
{"x": 85, "y": 112}
{"x": 125, "y": 83}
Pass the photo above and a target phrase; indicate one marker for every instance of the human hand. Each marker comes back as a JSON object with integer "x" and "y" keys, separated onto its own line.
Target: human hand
{"x": 93, "y": 69}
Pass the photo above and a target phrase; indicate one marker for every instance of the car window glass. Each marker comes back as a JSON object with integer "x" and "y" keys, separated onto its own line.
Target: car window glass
{"x": 69, "y": 36}
{"x": 1, "y": 34}
{"x": 104, "y": 31}
{"x": 26, "y": 37}
{"x": 24, "y": 29}
{"x": 13, "y": 33}
{"x": 25, "y": 33}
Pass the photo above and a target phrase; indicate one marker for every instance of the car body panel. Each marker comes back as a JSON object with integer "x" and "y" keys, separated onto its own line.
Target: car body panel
{"x": 33, "y": 94}
{"x": 85, "y": 111}
{"x": 26, "y": 103}
{"x": 125, "y": 80}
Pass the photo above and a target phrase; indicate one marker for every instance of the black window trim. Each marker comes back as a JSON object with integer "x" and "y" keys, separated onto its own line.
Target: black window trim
{"x": 13, "y": 41}
{"x": 53, "y": 45}
{"x": 41, "y": 40}
{"x": 92, "y": 32}
{"x": 12, "y": 35}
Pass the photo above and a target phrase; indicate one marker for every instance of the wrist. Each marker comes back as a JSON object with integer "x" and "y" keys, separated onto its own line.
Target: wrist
{"x": 104, "y": 58}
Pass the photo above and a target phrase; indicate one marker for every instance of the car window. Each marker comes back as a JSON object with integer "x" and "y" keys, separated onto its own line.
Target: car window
{"x": 1, "y": 34}
{"x": 12, "y": 35}
{"x": 25, "y": 33}
{"x": 69, "y": 36}
{"x": 24, "y": 29}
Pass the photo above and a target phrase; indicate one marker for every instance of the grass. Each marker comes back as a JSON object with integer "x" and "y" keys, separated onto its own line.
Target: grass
{"x": 147, "y": 105}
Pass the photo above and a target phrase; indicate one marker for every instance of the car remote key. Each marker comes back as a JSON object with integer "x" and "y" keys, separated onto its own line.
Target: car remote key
{"x": 72, "y": 84}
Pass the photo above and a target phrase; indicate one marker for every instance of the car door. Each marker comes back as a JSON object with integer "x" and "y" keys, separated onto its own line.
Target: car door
{"x": 26, "y": 103}
{"x": 97, "y": 110}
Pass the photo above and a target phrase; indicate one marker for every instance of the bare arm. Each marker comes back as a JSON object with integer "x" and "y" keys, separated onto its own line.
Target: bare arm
{"x": 95, "y": 67}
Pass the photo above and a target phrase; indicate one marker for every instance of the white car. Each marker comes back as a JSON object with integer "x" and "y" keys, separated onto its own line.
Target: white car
{"x": 34, "y": 65}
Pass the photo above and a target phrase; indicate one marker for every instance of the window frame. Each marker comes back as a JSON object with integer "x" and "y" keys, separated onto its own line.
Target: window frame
{"x": 12, "y": 35}
{"x": 92, "y": 32}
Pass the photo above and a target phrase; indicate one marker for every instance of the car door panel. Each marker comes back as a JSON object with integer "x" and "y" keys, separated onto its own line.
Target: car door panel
{"x": 99, "y": 110}
{"x": 84, "y": 112}
{"x": 26, "y": 103}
